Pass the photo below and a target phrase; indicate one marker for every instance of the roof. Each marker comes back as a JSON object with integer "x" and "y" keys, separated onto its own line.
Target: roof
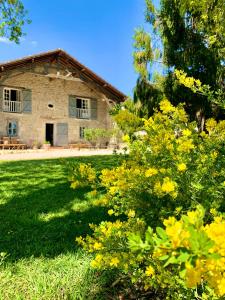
{"x": 66, "y": 58}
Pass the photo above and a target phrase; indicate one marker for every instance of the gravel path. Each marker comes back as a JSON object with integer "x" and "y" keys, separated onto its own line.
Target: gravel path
{"x": 9, "y": 155}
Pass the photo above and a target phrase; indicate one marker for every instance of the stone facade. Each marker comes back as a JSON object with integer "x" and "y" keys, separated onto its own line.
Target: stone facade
{"x": 50, "y": 91}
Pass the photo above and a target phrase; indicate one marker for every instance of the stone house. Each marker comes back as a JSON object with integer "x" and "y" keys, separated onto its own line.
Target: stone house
{"x": 53, "y": 97}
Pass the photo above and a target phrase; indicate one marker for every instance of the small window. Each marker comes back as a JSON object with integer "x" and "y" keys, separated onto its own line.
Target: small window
{"x": 82, "y": 132}
{"x": 12, "y": 128}
{"x": 11, "y": 94}
{"x": 50, "y": 105}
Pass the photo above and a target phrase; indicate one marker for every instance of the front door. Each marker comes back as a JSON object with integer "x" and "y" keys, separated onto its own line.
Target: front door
{"x": 49, "y": 133}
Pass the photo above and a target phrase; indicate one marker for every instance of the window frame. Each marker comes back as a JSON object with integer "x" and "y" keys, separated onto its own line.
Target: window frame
{"x": 81, "y": 132}
{"x": 12, "y": 134}
{"x": 9, "y": 89}
{"x": 87, "y": 100}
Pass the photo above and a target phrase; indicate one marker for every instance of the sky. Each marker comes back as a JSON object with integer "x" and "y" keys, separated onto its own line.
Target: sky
{"x": 97, "y": 33}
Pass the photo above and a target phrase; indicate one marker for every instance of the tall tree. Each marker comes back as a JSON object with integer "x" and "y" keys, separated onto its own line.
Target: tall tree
{"x": 12, "y": 19}
{"x": 193, "y": 38}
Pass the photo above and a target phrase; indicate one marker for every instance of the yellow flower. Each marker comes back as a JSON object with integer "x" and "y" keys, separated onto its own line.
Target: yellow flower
{"x": 96, "y": 263}
{"x": 168, "y": 185}
{"x": 150, "y": 172}
{"x": 74, "y": 184}
{"x": 181, "y": 167}
{"x": 221, "y": 287}
{"x": 211, "y": 124}
{"x": 193, "y": 276}
{"x": 97, "y": 246}
{"x": 157, "y": 187}
{"x": 110, "y": 212}
{"x": 213, "y": 211}
{"x": 186, "y": 132}
{"x": 126, "y": 138}
{"x": 131, "y": 213}
{"x": 185, "y": 146}
{"x": 166, "y": 106}
{"x": 79, "y": 240}
{"x": 114, "y": 262}
{"x": 150, "y": 271}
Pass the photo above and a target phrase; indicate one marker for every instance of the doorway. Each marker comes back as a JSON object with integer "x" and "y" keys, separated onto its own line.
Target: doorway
{"x": 49, "y": 133}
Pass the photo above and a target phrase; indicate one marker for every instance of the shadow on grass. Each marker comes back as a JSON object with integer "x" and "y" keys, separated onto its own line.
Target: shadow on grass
{"x": 30, "y": 227}
{"x": 41, "y": 215}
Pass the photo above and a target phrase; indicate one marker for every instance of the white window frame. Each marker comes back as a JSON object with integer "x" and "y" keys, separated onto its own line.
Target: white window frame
{"x": 12, "y": 133}
{"x": 85, "y": 109}
{"x": 7, "y": 89}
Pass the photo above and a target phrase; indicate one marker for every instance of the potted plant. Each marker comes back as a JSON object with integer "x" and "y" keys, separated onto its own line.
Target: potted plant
{"x": 46, "y": 145}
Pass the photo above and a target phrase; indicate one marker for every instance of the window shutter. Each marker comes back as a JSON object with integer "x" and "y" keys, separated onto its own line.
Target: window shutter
{"x": 94, "y": 109}
{"x": 62, "y": 134}
{"x": 27, "y": 101}
{"x": 1, "y": 98}
{"x": 72, "y": 107}
{"x": 17, "y": 128}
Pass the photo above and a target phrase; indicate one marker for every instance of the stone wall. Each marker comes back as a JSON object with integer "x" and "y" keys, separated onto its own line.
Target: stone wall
{"x": 45, "y": 91}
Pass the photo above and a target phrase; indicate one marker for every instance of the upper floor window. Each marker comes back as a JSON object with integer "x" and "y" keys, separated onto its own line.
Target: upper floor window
{"x": 82, "y": 103}
{"x": 11, "y": 94}
{"x": 83, "y": 108}
{"x": 11, "y": 100}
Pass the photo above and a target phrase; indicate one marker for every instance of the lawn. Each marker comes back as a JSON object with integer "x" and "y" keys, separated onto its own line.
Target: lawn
{"x": 40, "y": 218}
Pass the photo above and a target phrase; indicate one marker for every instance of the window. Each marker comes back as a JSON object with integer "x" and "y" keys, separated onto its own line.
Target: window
{"x": 11, "y": 100}
{"x": 12, "y": 128}
{"x": 82, "y": 132}
{"x": 82, "y": 103}
{"x": 82, "y": 107}
{"x": 11, "y": 94}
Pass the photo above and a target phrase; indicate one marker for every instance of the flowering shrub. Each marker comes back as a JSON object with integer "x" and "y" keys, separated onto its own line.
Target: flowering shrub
{"x": 193, "y": 254}
{"x": 170, "y": 170}
{"x": 82, "y": 175}
{"x": 216, "y": 97}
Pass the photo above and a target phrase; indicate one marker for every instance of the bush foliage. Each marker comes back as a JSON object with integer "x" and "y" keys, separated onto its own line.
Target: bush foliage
{"x": 167, "y": 198}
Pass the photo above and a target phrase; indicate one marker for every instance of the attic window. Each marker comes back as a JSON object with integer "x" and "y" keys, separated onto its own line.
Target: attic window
{"x": 50, "y": 105}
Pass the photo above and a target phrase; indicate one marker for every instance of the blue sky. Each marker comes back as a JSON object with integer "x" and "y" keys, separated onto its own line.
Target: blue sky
{"x": 97, "y": 33}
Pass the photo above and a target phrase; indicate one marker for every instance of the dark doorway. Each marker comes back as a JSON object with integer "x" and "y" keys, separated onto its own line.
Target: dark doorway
{"x": 49, "y": 133}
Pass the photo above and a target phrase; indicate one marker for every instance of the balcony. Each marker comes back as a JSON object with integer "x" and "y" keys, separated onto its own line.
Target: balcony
{"x": 12, "y": 106}
{"x": 83, "y": 113}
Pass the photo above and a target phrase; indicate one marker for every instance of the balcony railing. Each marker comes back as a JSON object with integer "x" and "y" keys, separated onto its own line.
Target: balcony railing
{"x": 83, "y": 113}
{"x": 12, "y": 106}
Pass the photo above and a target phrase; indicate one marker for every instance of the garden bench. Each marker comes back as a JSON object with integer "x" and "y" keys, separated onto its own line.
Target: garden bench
{"x": 81, "y": 146}
{"x": 13, "y": 146}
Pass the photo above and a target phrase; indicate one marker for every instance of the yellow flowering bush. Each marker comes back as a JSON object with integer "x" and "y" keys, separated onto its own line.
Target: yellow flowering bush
{"x": 190, "y": 250}
{"x": 82, "y": 175}
{"x": 170, "y": 169}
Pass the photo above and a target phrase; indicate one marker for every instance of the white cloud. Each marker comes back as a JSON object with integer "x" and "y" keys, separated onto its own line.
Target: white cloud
{"x": 5, "y": 40}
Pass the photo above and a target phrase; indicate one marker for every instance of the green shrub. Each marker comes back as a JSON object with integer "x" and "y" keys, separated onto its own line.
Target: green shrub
{"x": 170, "y": 170}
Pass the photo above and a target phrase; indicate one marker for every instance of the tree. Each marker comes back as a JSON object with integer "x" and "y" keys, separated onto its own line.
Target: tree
{"x": 148, "y": 94}
{"x": 13, "y": 18}
{"x": 193, "y": 39}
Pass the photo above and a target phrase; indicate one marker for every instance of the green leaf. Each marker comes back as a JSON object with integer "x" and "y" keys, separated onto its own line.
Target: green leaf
{"x": 164, "y": 257}
{"x": 161, "y": 233}
{"x": 149, "y": 235}
{"x": 171, "y": 260}
{"x": 183, "y": 257}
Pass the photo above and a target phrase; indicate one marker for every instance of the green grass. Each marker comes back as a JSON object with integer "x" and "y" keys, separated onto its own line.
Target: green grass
{"x": 40, "y": 217}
